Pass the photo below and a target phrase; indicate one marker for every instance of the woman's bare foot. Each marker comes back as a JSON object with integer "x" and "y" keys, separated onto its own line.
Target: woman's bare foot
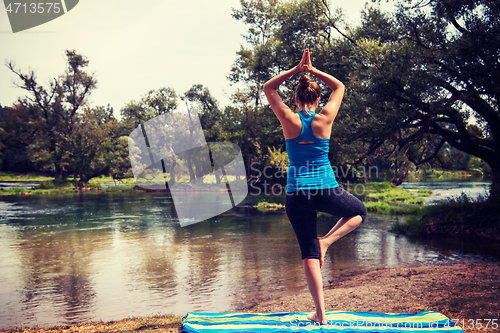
{"x": 344, "y": 226}
{"x": 323, "y": 246}
{"x": 314, "y": 317}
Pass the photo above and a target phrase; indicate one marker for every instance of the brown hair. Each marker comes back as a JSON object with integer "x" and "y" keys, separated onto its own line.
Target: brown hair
{"x": 307, "y": 90}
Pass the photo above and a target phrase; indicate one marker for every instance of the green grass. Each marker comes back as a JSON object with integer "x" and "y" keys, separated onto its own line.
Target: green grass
{"x": 391, "y": 209}
{"x": 120, "y": 188}
{"x": 451, "y": 173}
{"x": 387, "y": 192}
{"x": 35, "y": 191}
{"x": 267, "y": 205}
{"x": 424, "y": 193}
{"x": 7, "y": 176}
{"x": 109, "y": 180}
{"x": 48, "y": 185}
{"x": 416, "y": 201}
{"x": 385, "y": 198}
{"x": 15, "y": 191}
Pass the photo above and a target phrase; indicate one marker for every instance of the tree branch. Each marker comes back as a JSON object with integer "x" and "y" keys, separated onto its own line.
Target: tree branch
{"x": 330, "y": 21}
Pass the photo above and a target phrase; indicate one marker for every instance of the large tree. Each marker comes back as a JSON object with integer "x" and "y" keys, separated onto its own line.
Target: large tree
{"x": 207, "y": 109}
{"x": 16, "y": 134}
{"x": 53, "y": 111}
{"x": 153, "y": 104}
{"x": 253, "y": 67}
{"x": 419, "y": 80}
{"x": 91, "y": 145}
{"x": 438, "y": 82}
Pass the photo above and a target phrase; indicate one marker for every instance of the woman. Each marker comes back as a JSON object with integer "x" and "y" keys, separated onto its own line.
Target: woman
{"x": 311, "y": 183}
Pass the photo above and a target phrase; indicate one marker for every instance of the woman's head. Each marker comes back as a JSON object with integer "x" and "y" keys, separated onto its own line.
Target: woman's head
{"x": 307, "y": 91}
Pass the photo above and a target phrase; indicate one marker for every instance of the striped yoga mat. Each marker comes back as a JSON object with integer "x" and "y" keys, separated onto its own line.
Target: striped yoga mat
{"x": 338, "y": 321}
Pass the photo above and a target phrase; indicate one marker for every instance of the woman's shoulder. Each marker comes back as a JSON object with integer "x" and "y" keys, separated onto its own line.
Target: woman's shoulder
{"x": 322, "y": 118}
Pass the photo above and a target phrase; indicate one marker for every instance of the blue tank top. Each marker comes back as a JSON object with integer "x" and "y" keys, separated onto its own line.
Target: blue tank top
{"x": 309, "y": 167}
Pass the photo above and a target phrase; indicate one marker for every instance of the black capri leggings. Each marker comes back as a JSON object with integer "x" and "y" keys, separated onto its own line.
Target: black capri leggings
{"x": 301, "y": 207}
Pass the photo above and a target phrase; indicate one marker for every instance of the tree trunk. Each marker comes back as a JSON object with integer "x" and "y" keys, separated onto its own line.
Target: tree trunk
{"x": 495, "y": 183}
{"x": 59, "y": 172}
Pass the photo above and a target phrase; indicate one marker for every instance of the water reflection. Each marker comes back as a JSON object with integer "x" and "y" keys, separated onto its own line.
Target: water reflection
{"x": 109, "y": 256}
{"x": 54, "y": 267}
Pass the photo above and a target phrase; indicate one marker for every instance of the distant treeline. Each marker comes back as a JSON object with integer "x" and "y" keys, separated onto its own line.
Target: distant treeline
{"x": 422, "y": 92}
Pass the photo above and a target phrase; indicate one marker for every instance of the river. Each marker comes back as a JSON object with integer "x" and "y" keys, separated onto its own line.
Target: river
{"x": 71, "y": 259}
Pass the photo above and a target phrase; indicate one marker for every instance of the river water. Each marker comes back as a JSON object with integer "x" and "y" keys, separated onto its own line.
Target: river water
{"x": 70, "y": 259}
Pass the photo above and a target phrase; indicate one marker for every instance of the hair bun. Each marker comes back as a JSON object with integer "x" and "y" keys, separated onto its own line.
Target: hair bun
{"x": 307, "y": 90}
{"x": 304, "y": 81}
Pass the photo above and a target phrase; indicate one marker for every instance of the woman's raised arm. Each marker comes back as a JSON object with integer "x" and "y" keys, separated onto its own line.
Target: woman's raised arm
{"x": 332, "y": 107}
{"x": 281, "y": 110}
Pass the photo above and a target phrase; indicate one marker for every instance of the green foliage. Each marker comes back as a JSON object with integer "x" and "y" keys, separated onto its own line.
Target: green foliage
{"x": 460, "y": 216}
{"x": 15, "y": 135}
{"x": 207, "y": 109}
{"x": 52, "y": 113}
{"x": 52, "y": 186}
{"x": 90, "y": 144}
{"x": 153, "y": 104}
{"x": 387, "y": 192}
{"x": 14, "y": 191}
{"x": 107, "y": 179}
{"x": 390, "y": 209}
{"x": 386, "y": 198}
{"x": 46, "y": 185}
{"x": 119, "y": 162}
{"x": 413, "y": 78}
{"x": 57, "y": 183}
{"x": 267, "y": 205}
{"x": 408, "y": 227}
{"x": 121, "y": 188}
{"x": 424, "y": 193}
{"x": 277, "y": 158}
{"x": 429, "y": 78}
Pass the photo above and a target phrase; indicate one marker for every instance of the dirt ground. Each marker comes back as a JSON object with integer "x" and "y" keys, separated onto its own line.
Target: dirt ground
{"x": 466, "y": 293}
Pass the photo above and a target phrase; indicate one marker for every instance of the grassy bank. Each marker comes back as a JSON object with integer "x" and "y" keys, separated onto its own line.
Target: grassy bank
{"x": 48, "y": 185}
{"x": 69, "y": 187}
{"x": 385, "y": 198}
{"x": 451, "y": 173}
{"x": 264, "y": 205}
{"x": 159, "y": 323}
{"x": 379, "y": 198}
{"x": 6, "y": 176}
{"x": 460, "y": 216}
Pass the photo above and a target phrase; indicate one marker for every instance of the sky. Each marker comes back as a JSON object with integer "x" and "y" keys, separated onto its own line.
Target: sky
{"x": 135, "y": 46}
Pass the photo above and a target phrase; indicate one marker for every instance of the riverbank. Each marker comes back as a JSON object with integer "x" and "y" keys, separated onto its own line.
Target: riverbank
{"x": 458, "y": 217}
{"x": 469, "y": 293}
{"x": 379, "y": 198}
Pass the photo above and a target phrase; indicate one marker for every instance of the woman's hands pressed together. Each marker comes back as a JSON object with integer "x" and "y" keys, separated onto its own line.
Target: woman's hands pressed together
{"x": 305, "y": 63}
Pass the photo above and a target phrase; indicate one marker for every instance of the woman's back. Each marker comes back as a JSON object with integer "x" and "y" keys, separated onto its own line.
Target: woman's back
{"x": 309, "y": 167}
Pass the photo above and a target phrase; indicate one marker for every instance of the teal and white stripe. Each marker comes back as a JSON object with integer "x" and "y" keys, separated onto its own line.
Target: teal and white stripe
{"x": 338, "y": 321}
